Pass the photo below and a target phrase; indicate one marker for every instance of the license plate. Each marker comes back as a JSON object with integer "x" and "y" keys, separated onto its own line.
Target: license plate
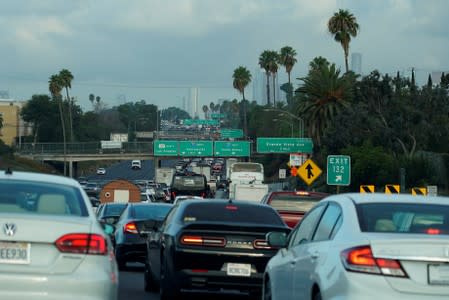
{"x": 14, "y": 253}
{"x": 439, "y": 274}
{"x": 243, "y": 270}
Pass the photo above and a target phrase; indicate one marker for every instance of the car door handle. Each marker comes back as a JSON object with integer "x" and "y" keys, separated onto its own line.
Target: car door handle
{"x": 315, "y": 255}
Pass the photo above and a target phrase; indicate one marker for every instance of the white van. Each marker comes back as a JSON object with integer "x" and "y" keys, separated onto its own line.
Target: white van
{"x": 136, "y": 164}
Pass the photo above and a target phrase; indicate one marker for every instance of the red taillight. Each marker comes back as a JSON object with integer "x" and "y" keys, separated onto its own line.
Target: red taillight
{"x": 361, "y": 259}
{"x": 82, "y": 243}
{"x": 433, "y": 231}
{"x": 261, "y": 244}
{"x": 194, "y": 240}
{"x": 231, "y": 207}
{"x": 130, "y": 228}
{"x": 203, "y": 195}
{"x": 173, "y": 194}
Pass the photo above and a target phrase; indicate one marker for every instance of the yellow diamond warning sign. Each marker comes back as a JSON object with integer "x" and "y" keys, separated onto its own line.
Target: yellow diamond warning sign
{"x": 309, "y": 171}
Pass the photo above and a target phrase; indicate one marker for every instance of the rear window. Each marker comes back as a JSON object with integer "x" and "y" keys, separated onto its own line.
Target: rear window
{"x": 37, "y": 198}
{"x": 293, "y": 202}
{"x": 230, "y": 213}
{"x": 246, "y": 167}
{"x": 404, "y": 218}
{"x": 114, "y": 210}
{"x": 150, "y": 211}
{"x": 189, "y": 183}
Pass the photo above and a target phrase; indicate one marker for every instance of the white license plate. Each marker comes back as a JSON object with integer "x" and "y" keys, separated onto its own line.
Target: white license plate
{"x": 14, "y": 253}
{"x": 243, "y": 270}
{"x": 439, "y": 274}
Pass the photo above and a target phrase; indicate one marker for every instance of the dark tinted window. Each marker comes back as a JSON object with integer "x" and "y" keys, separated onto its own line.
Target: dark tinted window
{"x": 229, "y": 213}
{"x": 306, "y": 227}
{"x": 113, "y": 210}
{"x": 246, "y": 167}
{"x": 404, "y": 218}
{"x": 150, "y": 211}
{"x": 327, "y": 223}
{"x": 189, "y": 183}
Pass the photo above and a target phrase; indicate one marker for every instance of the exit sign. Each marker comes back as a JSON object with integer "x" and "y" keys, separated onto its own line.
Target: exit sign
{"x": 338, "y": 170}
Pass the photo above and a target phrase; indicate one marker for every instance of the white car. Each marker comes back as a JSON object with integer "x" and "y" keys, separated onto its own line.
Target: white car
{"x": 136, "y": 164}
{"x": 182, "y": 198}
{"x": 101, "y": 171}
{"x": 51, "y": 244}
{"x": 364, "y": 246}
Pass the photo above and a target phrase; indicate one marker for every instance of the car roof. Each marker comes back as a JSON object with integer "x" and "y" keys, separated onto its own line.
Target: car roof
{"x": 363, "y": 198}
{"x": 38, "y": 177}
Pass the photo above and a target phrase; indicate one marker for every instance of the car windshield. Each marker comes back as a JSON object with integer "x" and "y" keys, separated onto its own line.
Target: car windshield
{"x": 404, "y": 218}
{"x": 150, "y": 211}
{"x": 29, "y": 197}
{"x": 293, "y": 202}
{"x": 188, "y": 182}
{"x": 230, "y": 213}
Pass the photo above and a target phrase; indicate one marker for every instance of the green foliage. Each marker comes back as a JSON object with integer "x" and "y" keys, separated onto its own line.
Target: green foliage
{"x": 174, "y": 114}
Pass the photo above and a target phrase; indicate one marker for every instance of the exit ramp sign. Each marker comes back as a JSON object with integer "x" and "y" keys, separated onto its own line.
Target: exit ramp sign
{"x": 338, "y": 170}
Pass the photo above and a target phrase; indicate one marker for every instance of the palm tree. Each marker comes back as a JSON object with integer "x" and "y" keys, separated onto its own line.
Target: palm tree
{"x": 343, "y": 25}
{"x": 55, "y": 85}
{"x": 241, "y": 78}
{"x": 274, "y": 60}
{"x": 92, "y": 98}
{"x": 287, "y": 59}
{"x": 265, "y": 63}
{"x": 325, "y": 94}
{"x": 205, "y": 110}
{"x": 66, "y": 81}
{"x": 317, "y": 62}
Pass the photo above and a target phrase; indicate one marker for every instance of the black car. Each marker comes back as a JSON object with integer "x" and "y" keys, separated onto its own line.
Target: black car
{"x": 129, "y": 245}
{"x": 189, "y": 183}
{"x": 211, "y": 246}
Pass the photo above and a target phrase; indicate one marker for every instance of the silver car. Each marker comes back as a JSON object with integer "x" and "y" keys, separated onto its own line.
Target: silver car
{"x": 51, "y": 245}
{"x": 364, "y": 246}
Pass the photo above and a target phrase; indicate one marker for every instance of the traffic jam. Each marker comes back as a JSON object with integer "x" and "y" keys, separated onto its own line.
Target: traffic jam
{"x": 219, "y": 230}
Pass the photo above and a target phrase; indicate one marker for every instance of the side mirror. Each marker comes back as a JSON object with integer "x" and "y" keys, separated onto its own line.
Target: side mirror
{"x": 277, "y": 239}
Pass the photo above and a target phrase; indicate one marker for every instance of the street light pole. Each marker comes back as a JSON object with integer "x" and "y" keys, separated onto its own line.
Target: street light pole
{"x": 299, "y": 119}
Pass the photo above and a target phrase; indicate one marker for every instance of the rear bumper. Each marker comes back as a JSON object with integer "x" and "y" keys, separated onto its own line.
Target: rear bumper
{"x": 90, "y": 282}
{"x": 131, "y": 252}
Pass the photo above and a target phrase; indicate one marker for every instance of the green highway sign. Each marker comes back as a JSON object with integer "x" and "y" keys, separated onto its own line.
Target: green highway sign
{"x": 231, "y": 133}
{"x": 196, "y": 148}
{"x": 284, "y": 145}
{"x": 199, "y": 122}
{"x": 233, "y": 149}
{"x": 217, "y": 116}
{"x": 338, "y": 170}
{"x": 165, "y": 148}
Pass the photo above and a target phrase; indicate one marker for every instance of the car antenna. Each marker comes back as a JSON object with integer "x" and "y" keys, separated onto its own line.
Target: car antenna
{"x": 8, "y": 171}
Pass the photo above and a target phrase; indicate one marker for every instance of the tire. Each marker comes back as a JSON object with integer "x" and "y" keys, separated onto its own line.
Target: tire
{"x": 121, "y": 264}
{"x": 267, "y": 291}
{"x": 149, "y": 283}
{"x": 168, "y": 289}
{"x": 317, "y": 295}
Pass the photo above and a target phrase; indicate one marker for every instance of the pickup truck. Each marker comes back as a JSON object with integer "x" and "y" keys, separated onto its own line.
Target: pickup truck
{"x": 292, "y": 205}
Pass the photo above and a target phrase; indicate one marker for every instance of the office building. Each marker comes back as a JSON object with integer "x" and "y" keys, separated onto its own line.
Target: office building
{"x": 356, "y": 63}
{"x": 14, "y": 128}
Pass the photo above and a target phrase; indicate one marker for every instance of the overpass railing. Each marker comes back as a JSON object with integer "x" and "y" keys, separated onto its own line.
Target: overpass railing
{"x": 83, "y": 148}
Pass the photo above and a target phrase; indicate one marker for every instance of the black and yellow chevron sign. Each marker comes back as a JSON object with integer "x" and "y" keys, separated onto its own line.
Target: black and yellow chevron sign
{"x": 419, "y": 191}
{"x": 366, "y": 189}
{"x": 392, "y": 189}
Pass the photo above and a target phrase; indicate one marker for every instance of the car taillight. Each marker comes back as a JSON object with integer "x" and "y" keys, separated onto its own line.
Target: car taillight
{"x": 130, "y": 228}
{"x": 83, "y": 243}
{"x": 433, "y": 231}
{"x": 194, "y": 240}
{"x": 361, "y": 259}
{"x": 261, "y": 244}
{"x": 173, "y": 195}
{"x": 203, "y": 195}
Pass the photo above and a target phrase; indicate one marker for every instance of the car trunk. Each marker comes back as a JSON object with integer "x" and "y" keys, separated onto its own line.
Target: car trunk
{"x": 37, "y": 236}
{"x": 424, "y": 258}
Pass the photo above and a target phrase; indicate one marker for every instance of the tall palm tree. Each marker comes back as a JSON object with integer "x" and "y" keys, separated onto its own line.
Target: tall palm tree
{"x": 241, "y": 78}
{"x": 343, "y": 25}
{"x": 325, "y": 94}
{"x": 274, "y": 60}
{"x": 55, "y": 85}
{"x": 287, "y": 59}
{"x": 66, "y": 81}
{"x": 265, "y": 63}
{"x": 205, "y": 110}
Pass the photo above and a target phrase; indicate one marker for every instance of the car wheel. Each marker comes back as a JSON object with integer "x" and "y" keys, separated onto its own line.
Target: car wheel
{"x": 267, "y": 291}
{"x": 167, "y": 290}
{"x": 149, "y": 283}
{"x": 317, "y": 296}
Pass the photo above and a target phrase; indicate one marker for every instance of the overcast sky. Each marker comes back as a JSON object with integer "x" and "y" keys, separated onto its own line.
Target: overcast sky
{"x": 156, "y": 49}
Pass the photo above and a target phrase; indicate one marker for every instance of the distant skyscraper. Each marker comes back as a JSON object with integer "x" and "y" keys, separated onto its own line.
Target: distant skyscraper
{"x": 194, "y": 96}
{"x": 356, "y": 63}
{"x": 260, "y": 87}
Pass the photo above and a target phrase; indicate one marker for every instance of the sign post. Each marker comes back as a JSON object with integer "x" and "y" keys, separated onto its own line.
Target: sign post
{"x": 338, "y": 170}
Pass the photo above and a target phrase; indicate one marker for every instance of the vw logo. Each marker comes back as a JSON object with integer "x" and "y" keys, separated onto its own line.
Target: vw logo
{"x": 9, "y": 229}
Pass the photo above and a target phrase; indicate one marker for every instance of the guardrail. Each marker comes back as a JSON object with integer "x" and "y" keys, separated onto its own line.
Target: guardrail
{"x": 83, "y": 148}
